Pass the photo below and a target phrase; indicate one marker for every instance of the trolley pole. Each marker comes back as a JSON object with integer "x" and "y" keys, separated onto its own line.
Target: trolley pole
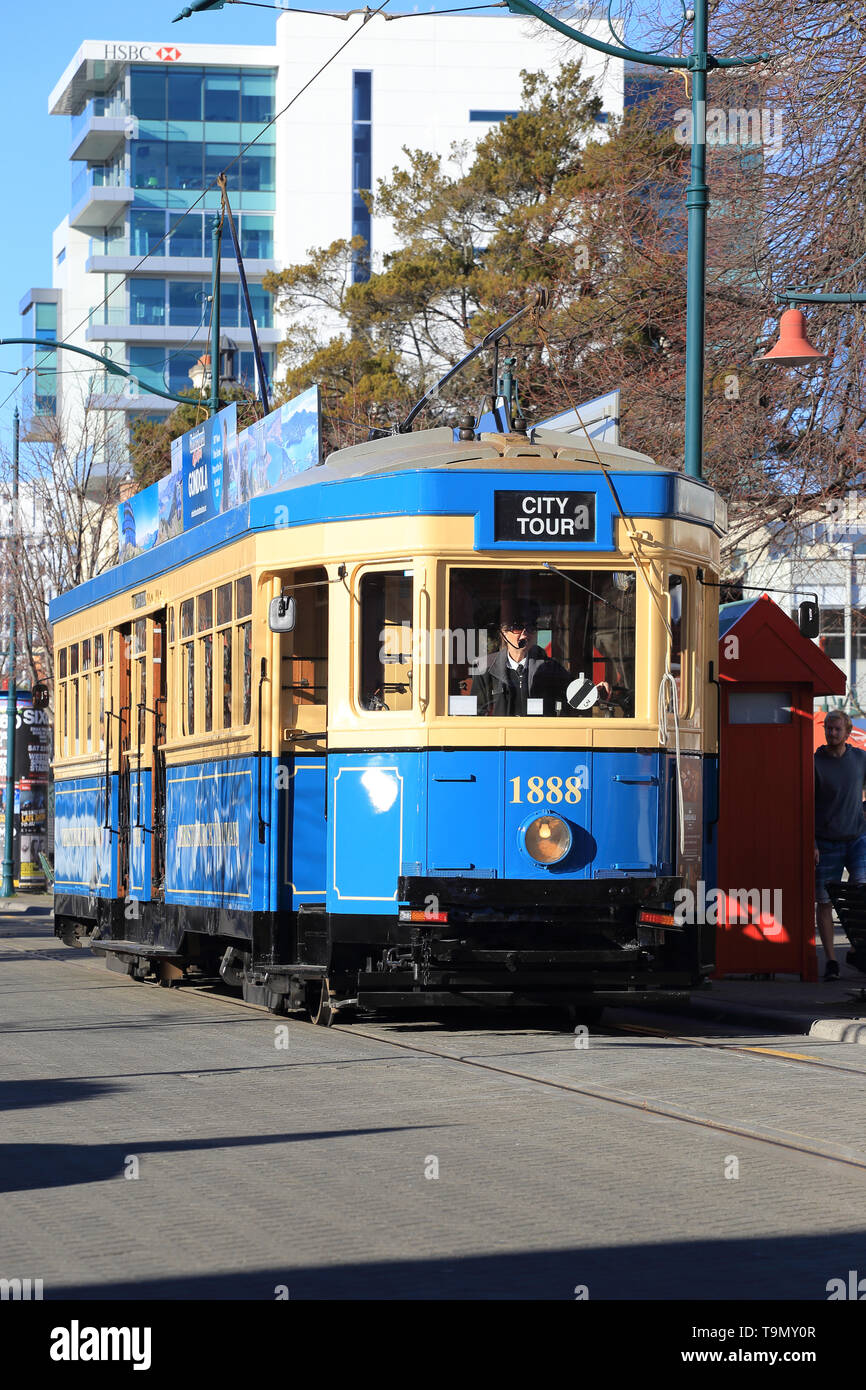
{"x": 8, "y": 888}
{"x": 216, "y": 243}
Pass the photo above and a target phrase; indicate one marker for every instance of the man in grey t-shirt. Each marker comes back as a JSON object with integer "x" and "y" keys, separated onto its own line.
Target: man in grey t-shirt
{"x": 840, "y": 823}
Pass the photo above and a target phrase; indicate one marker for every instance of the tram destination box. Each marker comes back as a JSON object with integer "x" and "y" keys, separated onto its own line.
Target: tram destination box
{"x": 544, "y": 515}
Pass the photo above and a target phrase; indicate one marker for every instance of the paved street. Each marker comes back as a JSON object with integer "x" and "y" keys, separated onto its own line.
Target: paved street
{"x": 261, "y": 1166}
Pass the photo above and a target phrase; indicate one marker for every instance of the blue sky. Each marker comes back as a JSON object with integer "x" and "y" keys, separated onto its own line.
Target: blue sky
{"x": 40, "y": 38}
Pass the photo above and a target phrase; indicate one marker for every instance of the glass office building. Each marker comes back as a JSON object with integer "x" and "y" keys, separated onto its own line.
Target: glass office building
{"x": 39, "y": 310}
{"x": 150, "y": 129}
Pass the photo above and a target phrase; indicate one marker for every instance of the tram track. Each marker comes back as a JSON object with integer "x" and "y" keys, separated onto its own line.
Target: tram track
{"x": 781, "y": 1139}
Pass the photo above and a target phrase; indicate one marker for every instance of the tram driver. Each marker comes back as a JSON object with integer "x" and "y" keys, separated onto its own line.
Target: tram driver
{"x": 520, "y": 671}
{"x": 523, "y": 677}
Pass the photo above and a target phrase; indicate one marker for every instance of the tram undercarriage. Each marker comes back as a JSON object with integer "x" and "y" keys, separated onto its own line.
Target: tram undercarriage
{"x": 598, "y": 944}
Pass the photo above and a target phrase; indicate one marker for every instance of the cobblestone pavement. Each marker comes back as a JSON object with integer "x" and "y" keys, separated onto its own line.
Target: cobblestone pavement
{"x": 314, "y": 1166}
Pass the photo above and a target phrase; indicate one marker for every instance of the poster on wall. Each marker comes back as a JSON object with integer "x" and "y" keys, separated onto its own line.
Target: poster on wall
{"x": 33, "y": 744}
{"x": 170, "y": 507}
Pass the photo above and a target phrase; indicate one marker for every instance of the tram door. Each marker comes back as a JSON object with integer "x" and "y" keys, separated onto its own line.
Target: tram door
{"x": 142, "y": 757}
{"x": 303, "y": 745}
{"x": 122, "y": 726}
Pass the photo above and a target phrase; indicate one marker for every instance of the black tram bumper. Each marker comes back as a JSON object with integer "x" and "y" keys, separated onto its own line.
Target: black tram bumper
{"x": 487, "y": 942}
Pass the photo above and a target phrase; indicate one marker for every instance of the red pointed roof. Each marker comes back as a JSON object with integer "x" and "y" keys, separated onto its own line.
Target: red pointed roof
{"x": 770, "y": 647}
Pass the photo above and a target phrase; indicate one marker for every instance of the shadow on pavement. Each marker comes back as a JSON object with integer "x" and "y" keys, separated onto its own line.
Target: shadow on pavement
{"x": 29, "y": 1167}
{"x": 766, "y": 1267}
{"x": 28, "y": 1095}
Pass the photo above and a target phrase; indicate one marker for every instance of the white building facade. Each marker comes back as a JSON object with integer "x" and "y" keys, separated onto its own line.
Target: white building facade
{"x": 417, "y": 81}
{"x": 823, "y": 556}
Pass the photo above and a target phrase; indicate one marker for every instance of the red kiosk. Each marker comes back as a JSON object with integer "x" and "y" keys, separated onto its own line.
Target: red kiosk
{"x": 769, "y": 675}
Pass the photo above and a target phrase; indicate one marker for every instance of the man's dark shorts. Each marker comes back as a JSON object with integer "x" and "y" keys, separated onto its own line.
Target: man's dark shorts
{"x": 836, "y": 856}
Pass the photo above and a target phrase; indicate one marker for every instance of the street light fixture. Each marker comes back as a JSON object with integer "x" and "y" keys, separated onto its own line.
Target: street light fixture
{"x": 51, "y": 345}
{"x": 793, "y": 348}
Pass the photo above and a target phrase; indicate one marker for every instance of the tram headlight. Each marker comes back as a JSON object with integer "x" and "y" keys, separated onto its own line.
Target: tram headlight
{"x": 547, "y": 839}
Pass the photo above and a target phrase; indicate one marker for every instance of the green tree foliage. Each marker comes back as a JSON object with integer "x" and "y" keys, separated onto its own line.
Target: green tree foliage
{"x": 596, "y": 215}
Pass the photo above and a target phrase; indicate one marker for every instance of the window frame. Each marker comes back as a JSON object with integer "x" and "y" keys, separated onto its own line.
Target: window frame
{"x": 686, "y": 635}
{"x": 404, "y": 568}
{"x": 509, "y": 562}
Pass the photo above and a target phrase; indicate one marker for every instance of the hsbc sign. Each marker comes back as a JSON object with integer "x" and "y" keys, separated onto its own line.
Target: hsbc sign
{"x": 141, "y": 53}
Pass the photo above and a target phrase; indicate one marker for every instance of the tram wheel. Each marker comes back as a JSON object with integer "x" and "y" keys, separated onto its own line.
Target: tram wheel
{"x": 320, "y": 1003}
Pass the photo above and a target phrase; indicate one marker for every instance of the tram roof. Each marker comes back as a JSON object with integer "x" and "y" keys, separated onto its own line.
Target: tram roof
{"x": 420, "y": 474}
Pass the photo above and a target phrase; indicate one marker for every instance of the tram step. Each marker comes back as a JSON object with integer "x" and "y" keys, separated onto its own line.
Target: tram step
{"x": 134, "y": 948}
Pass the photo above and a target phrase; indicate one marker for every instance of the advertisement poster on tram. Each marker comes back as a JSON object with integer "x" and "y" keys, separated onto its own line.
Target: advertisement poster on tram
{"x": 138, "y": 523}
{"x": 33, "y": 738}
{"x": 214, "y": 468}
{"x": 209, "y": 466}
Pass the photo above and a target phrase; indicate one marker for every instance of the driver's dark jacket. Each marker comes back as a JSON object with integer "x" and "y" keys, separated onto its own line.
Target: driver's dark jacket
{"x": 497, "y": 687}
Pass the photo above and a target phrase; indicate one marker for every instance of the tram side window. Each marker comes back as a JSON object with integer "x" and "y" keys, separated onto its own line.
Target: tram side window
{"x": 188, "y": 696}
{"x": 224, "y": 649}
{"x": 386, "y": 641}
{"x": 99, "y": 689}
{"x": 304, "y": 652}
{"x": 61, "y": 734}
{"x": 86, "y": 727}
{"x": 243, "y": 609}
{"x": 86, "y": 745}
{"x": 205, "y": 642}
{"x": 245, "y": 644}
{"x": 187, "y": 676}
{"x": 679, "y": 634}
{"x": 139, "y": 650}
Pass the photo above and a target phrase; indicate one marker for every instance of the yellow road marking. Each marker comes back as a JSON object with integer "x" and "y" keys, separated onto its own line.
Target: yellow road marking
{"x": 734, "y": 1047}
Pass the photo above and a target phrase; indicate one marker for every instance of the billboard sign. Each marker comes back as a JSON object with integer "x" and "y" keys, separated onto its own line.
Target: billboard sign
{"x": 206, "y": 457}
{"x": 215, "y": 469}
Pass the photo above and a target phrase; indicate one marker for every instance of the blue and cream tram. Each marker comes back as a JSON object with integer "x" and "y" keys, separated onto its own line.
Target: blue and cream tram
{"x": 432, "y": 724}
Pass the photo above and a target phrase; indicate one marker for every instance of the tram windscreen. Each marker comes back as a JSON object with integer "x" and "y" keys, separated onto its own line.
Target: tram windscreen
{"x": 529, "y": 643}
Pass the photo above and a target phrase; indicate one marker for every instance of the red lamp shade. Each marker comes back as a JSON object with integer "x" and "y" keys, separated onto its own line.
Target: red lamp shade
{"x": 793, "y": 348}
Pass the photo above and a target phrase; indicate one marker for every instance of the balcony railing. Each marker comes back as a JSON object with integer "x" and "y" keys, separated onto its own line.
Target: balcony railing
{"x": 109, "y": 314}
{"x": 97, "y": 106}
{"x": 114, "y": 242}
{"x": 100, "y": 176}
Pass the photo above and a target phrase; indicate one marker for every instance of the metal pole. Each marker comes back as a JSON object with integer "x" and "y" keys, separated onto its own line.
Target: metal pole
{"x": 849, "y": 601}
{"x": 216, "y": 245}
{"x": 8, "y": 888}
{"x": 697, "y": 202}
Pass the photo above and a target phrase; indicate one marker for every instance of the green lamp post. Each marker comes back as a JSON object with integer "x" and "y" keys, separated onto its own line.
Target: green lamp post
{"x": 8, "y": 887}
{"x": 699, "y": 62}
